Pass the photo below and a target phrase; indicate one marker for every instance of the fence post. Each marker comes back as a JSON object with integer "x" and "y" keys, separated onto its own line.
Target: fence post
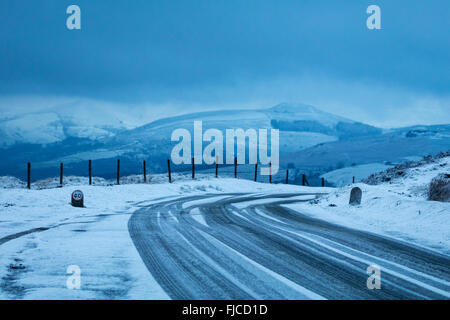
{"x": 217, "y": 166}
{"x": 305, "y": 181}
{"x": 353, "y": 179}
{"x": 287, "y": 176}
{"x": 90, "y": 172}
{"x": 61, "y": 168}
{"x": 193, "y": 168}
{"x": 235, "y": 167}
{"x": 145, "y": 172}
{"x": 118, "y": 171}
{"x": 270, "y": 172}
{"x": 29, "y": 175}
{"x": 323, "y": 182}
{"x": 168, "y": 167}
{"x": 256, "y": 171}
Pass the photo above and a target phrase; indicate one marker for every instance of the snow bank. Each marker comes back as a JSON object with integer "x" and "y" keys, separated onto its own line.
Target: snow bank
{"x": 398, "y": 208}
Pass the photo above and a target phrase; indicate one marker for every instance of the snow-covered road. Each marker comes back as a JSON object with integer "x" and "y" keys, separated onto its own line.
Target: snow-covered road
{"x": 241, "y": 246}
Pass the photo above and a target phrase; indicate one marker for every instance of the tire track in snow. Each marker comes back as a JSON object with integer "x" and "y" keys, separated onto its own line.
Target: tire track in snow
{"x": 262, "y": 250}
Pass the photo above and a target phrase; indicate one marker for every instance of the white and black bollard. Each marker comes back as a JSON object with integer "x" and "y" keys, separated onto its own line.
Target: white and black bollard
{"x": 78, "y": 199}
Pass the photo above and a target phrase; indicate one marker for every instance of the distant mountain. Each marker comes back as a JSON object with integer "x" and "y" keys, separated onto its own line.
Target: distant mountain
{"x": 77, "y": 119}
{"x": 301, "y": 126}
{"x": 393, "y": 146}
{"x": 310, "y": 139}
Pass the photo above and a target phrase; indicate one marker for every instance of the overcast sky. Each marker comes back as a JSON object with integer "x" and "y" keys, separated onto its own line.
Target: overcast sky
{"x": 171, "y": 57}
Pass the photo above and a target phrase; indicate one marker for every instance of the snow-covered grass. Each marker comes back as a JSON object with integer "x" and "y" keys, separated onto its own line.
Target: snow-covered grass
{"x": 398, "y": 208}
{"x": 8, "y": 182}
{"x": 344, "y": 176}
{"x": 95, "y": 238}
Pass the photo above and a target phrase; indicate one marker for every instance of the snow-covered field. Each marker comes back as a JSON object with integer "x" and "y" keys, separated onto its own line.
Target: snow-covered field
{"x": 41, "y": 234}
{"x": 95, "y": 238}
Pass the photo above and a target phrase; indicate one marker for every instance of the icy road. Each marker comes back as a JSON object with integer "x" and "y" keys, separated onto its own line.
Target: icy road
{"x": 240, "y": 246}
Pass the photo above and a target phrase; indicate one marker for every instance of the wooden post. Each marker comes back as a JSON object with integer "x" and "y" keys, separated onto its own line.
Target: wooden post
{"x": 61, "y": 174}
{"x": 287, "y": 176}
{"x": 168, "y": 167}
{"x": 323, "y": 182}
{"x": 256, "y": 171}
{"x": 270, "y": 172}
{"x": 90, "y": 172}
{"x": 145, "y": 172}
{"x": 118, "y": 171}
{"x": 217, "y": 166}
{"x": 29, "y": 175}
{"x": 235, "y": 167}
{"x": 353, "y": 179}
{"x": 193, "y": 168}
{"x": 305, "y": 181}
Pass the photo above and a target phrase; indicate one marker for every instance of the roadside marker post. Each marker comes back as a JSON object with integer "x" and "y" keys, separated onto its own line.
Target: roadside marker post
{"x": 77, "y": 199}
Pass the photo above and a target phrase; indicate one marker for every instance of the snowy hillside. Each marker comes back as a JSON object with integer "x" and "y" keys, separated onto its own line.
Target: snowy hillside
{"x": 300, "y": 126}
{"x": 394, "y": 146}
{"x": 74, "y": 137}
{"x": 42, "y": 128}
{"x": 60, "y": 121}
{"x": 344, "y": 176}
{"x": 311, "y": 141}
{"x": 397, "y": 207}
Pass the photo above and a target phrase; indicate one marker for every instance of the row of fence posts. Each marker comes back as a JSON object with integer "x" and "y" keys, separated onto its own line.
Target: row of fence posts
{"x": 304, "y": 180}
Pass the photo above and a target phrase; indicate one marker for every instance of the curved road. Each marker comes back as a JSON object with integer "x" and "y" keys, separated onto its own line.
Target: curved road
{"x": 248, "y": 246}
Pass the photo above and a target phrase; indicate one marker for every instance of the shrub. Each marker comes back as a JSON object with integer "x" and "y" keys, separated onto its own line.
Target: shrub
{"x": 440, "y": 188}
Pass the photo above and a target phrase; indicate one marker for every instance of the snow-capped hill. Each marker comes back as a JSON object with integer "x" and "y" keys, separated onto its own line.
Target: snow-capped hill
{"x": 300, "y": 126}
{"x": 56, "y": 123}
{"x": 293, "y": 120}
{"x": 47, "y": 128}
{"x": 43, "y": 128}
{"x": 296, "y": 111}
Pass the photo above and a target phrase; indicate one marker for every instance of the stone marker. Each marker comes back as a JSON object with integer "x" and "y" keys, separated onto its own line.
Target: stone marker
{"x": 77, "y": 199}
{"x": 355, "y": 196}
